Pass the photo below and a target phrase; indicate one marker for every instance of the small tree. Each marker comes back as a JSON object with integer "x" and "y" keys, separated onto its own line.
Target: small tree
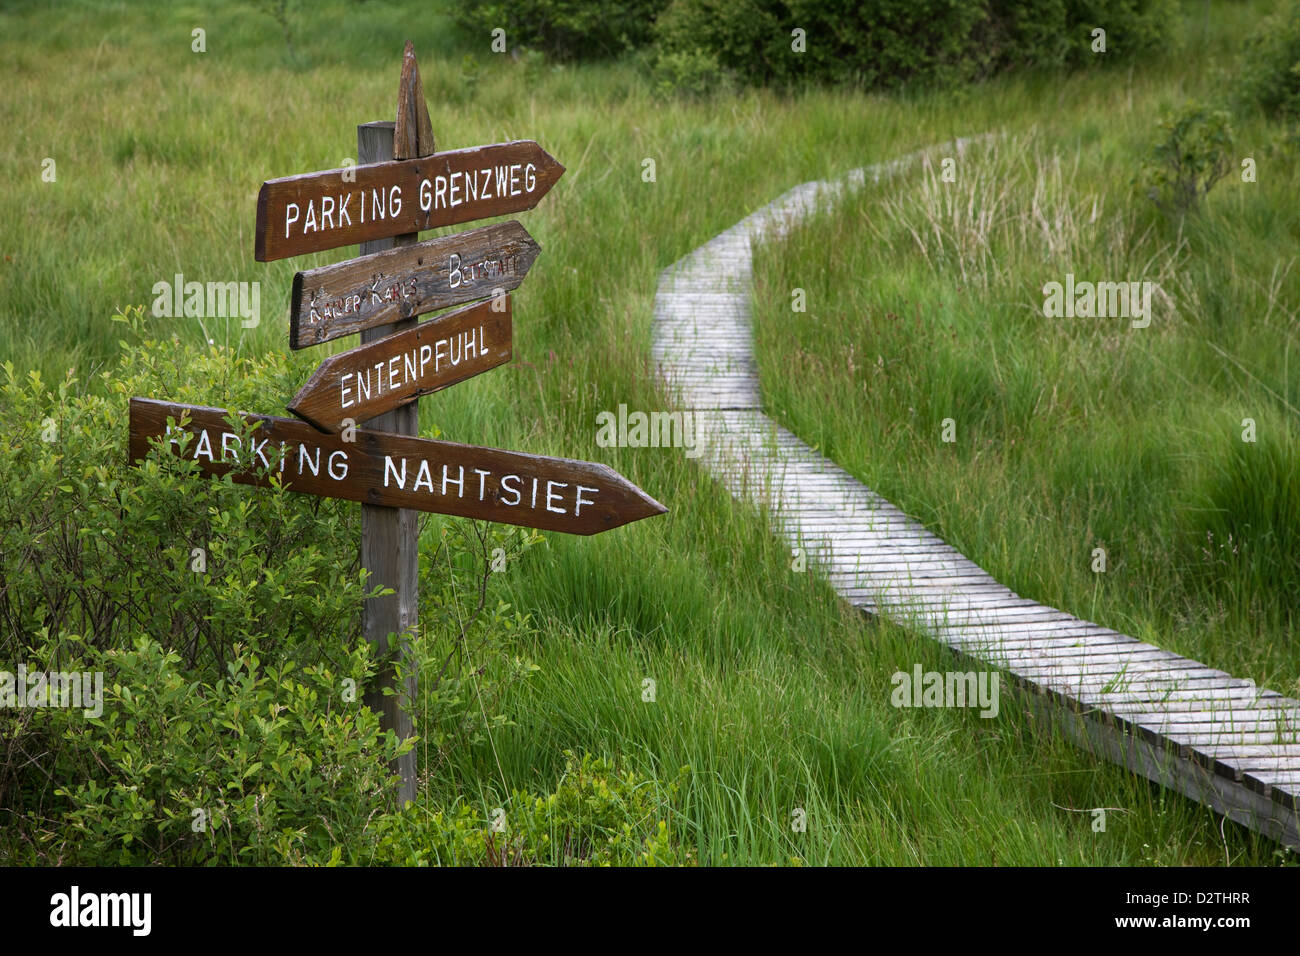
{"x": 1194, "y": 155}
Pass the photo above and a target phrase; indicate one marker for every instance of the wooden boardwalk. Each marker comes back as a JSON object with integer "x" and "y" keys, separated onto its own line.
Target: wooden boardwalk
{"x": 1209, "y": 735}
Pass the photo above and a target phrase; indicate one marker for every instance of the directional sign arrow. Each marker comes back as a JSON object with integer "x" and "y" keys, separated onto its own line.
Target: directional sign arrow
{"x": 371, "y": 379}
{"x": 407, "y": 281}
{"x": 553, "y": 494}
{"x": 338, "y": 207}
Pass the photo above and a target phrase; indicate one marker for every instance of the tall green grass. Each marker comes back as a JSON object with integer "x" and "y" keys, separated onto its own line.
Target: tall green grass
{"x": 768, "y": 688}
{"x": 1072, "y": 434}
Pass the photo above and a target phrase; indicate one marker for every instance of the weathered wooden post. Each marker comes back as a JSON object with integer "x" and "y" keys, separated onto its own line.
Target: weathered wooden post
{"x": 390, "y": 536}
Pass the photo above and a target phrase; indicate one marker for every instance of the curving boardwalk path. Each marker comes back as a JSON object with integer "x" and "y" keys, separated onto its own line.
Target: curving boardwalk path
{"x": 1200, "y": 731}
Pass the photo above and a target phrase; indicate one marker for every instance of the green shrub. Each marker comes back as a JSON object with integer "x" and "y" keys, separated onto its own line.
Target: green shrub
{"x": 565, "y": 29}
{"x": 264, "y": 766}
{"x": 873, "y": 45}
{"x": 91, "y": 547}
{"x": 883, "y": 44}
{"x": 1194, "y": 154}
{"x": 1030, "y": 33}
{"x": 1270, "y": 71}
{"x": 234, "y": 673}
{"x": 690, "y": 73}
{"x": 1059, "y": 33}
{"x": 597, "y": 816}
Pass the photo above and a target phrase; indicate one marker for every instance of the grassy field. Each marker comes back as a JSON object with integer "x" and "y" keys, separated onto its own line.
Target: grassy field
{"x": 1071, "y": 433}
{"x": 773, "y": 693}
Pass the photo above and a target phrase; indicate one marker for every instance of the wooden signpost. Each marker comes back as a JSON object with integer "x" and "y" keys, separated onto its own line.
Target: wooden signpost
{"x": 401, "y": 186}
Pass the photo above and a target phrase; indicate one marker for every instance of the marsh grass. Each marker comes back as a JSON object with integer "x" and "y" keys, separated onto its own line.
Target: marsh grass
{"x": 768, "y": 688}
{"x": 1072, "y": 433}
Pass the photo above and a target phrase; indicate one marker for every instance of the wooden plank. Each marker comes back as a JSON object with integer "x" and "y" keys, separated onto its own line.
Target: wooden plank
{"x": 1082, "y": 635}
{"x": 1277, "y": 762}
{"x": 877, "y": 522}
{"x": 312, "y": 212}
{"x": 1084, "y": 658}
{"x": 1195, "y": 737}
{"x": 934, "y": 602}
{"x": 1229, "y": 724}
{"x": 1275, "y": 776}
{"x": 553, "y": 494}
{"x": 1245, "y": 717}
{"x": 846, "y": 563}
{"x": 1039, "y": 648}
{"x": 870, "y": 530}
{"x": 1013, "y": 615}
{"x": 407, "y": 281}
{"x": 1233, "y": 696}
{"x": 1099, "y": 692}
{"x": 1197, "y": 703}
{"x": 858, "y": 580}
{"x": 1120, "y": 673}
{"x": 385, "y": 374}
{"x": 905, "y": 556}
{"x": 1065, "y": 649}
{"x": 966, "y": 632}
{"x": 1244, "y": 752}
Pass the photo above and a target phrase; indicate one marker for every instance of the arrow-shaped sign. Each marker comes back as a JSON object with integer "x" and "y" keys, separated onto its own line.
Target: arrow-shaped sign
{"x": 371, "y": 379}
{"x": 315, "y": 211}
{"x": 553, "y": 494}
{"x": 407, "y": 281}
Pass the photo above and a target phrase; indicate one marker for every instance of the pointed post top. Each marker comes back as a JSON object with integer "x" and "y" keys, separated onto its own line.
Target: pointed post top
{"x": 413, "y": 133}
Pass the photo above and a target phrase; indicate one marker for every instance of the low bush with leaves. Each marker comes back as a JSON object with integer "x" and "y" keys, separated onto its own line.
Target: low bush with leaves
{"x": 598, "y": 815}
{"x": 886, "y": 44}
{"x": 564, "y": 29}
{"x": 1269, "y": 79}
{"x": 226, "y": 624}
{"x": 1193, "y": 155}
{"x": 689, "y": 73}
{"x": 694, "y": 46}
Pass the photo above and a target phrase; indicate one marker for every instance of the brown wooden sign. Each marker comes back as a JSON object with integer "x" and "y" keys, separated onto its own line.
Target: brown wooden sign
{"x": 316, "y": 211}
{"x": 407, "y": 281}
{"x": 371, "y": 379}
{"x": 553, "y": 494}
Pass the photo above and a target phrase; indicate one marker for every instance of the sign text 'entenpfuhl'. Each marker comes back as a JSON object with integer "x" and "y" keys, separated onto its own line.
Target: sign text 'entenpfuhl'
{"x": 370, "y": 379}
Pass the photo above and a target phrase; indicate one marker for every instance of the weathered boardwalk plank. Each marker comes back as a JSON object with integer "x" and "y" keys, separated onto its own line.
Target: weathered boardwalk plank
{"x": 1197, "y": 730}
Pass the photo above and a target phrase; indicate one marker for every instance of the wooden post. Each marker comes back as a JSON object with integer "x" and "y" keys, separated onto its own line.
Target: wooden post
{"x": 389, "y": 539}
{"x": 390, "y": 536}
